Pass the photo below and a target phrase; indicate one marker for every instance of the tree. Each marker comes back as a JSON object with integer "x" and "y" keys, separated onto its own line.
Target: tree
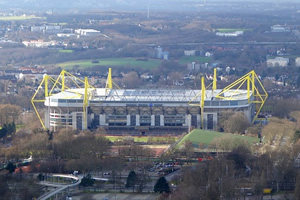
{"x": 87, "y": 181}
{"x": 131, "y": 80}
{"x": 236, "y": 123}
{"x": 131, "y": 180}
{"x": 297, "y": 188}
{"x": 11, "y": 167}
{"x": 162, "y": 185}
{"x": 142, "y": 179}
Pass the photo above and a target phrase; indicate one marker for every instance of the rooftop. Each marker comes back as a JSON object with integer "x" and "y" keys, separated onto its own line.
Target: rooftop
{"x": 144, "y": 95}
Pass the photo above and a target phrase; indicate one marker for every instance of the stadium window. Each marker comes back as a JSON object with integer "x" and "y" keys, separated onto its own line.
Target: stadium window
{"x": 233, "y": 103}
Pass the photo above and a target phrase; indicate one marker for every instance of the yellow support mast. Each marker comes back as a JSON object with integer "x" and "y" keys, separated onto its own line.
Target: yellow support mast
{"x": 203, "y": 93}
{"x": 256, "y": 92}
{"x": 60, "y": 84}
{"x": 85, "y": 101}
{"x": 215, "y": 80}
{"x": 46, "y": 94}
{"x": 109, "y": 82}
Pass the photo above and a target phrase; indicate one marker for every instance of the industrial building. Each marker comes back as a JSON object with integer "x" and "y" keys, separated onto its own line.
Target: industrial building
{"x": 144, "y": 111}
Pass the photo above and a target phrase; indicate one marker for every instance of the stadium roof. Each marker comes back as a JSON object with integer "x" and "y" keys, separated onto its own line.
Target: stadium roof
{"x": 150, "y": 95}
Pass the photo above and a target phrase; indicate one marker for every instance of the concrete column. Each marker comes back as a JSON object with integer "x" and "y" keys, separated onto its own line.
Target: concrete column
{"x": 84, "y": 125}
{"x": 162, "y": 120}
{"x": 188, "y": 121}
{"x": 247, "y": 113}
{"x": 128, "y": 120}
{"x": 102, "y": 120}
{"x": 205, "y": 120}
{"x": 74, "y": 121}
{"x": 47, "y": 118}
{"x": 215, "y": 117}
{"x": 198, "y": 121}
{"x": 137, "y": 120}
{"x": 152, "y": 120}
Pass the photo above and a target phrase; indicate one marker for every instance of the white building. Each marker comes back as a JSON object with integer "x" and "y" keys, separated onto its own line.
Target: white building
{"x": 297, "y": 62}
{"x": 279, "y": 29}
{"x": 190, "y": 52}
{"x": 87, "y": 32}
{"x": 278, "y": 62}
{"x": 230, "y": 34}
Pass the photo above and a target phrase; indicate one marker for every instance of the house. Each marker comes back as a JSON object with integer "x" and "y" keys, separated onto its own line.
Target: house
{"x": 279, "y": 29}
{"x": 208, "y": 54}
{"x": 160, "y": 54}
{"x": 193, "y": 66}
{"x": 278, "y": 62}
{"x": 190, "y": 52}
{"x": 230, "y": 34}
{"x": 297, "y": 62}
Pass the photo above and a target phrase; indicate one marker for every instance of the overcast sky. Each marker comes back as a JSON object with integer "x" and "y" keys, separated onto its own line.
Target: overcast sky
{"x": 126, "y": 4}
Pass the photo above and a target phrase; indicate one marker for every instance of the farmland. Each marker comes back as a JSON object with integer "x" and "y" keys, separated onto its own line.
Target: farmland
{"x": 19, "y": 18}
{"x": 112, "y": 62}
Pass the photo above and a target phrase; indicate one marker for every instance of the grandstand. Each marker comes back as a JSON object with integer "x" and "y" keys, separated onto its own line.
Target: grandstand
{"x": 144, "y": 111}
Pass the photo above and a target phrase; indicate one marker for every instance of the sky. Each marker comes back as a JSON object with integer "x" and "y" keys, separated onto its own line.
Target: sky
{"x": 137, "y": 5}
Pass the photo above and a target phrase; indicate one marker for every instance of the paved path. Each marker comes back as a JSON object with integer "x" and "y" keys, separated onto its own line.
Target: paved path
{"x": 119, "y": 196}
{"x": 59, "y": 187}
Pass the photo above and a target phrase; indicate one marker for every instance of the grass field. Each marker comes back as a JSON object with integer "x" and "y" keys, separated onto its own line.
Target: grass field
{"x": 198, "y": 136}
{"x": 19, "y": 18}
{"x": 229, "y": 30}
{"x": 198, "y": 59}
{"x": 109, "y": 62}
{"x": 143, "y": 139}
{"x": 65, "y": 51}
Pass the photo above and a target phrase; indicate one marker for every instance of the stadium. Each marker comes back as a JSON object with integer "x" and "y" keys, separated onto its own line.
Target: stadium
{"x": 80, "y": 106}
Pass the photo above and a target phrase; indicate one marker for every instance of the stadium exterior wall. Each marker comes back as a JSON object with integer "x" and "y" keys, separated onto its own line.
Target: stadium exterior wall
{"x": 140, "y": 111}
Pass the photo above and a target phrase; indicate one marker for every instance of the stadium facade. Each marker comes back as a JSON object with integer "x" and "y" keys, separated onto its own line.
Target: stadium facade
{"x": 144, "y": 111}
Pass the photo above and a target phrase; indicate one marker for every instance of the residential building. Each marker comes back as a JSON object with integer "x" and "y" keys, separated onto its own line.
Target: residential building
{"x": 278, "y": 62}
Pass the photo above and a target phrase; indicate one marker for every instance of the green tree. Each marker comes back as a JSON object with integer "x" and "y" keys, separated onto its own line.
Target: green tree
{"x": 87, "y": 181}
{"x": 162, "y": 185}
{"x": 11, "y": 167}
{"x": 131, "y": 180}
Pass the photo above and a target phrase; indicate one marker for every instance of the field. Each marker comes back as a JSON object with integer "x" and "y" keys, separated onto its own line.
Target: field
{"x": 230, "y": 30}
{"x": 110, "y": 62}
{"x": 19, "y": 18}
{"x": 143, "y": 139}
{"x": 65, "y": 51}
{"x": 198, "y": 136}
{"x": 198, "y": 59}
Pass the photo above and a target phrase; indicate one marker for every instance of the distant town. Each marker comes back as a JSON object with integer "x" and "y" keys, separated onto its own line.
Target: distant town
{"x": 150, "y": 100}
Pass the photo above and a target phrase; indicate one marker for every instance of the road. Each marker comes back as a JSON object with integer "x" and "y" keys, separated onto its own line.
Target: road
{"x": 59, "y": 187}
{"x": 225, "y": 43}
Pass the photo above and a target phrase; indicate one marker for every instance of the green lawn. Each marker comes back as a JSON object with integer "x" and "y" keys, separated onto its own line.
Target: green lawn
{"x": 198, "y": 59}
{"x": 109, "y": 62}
{"x": 18, "y": 18}
{"x": 229, "y": 30}
{"x": 198, "y": 136}
{"x": 65, "y": 51}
